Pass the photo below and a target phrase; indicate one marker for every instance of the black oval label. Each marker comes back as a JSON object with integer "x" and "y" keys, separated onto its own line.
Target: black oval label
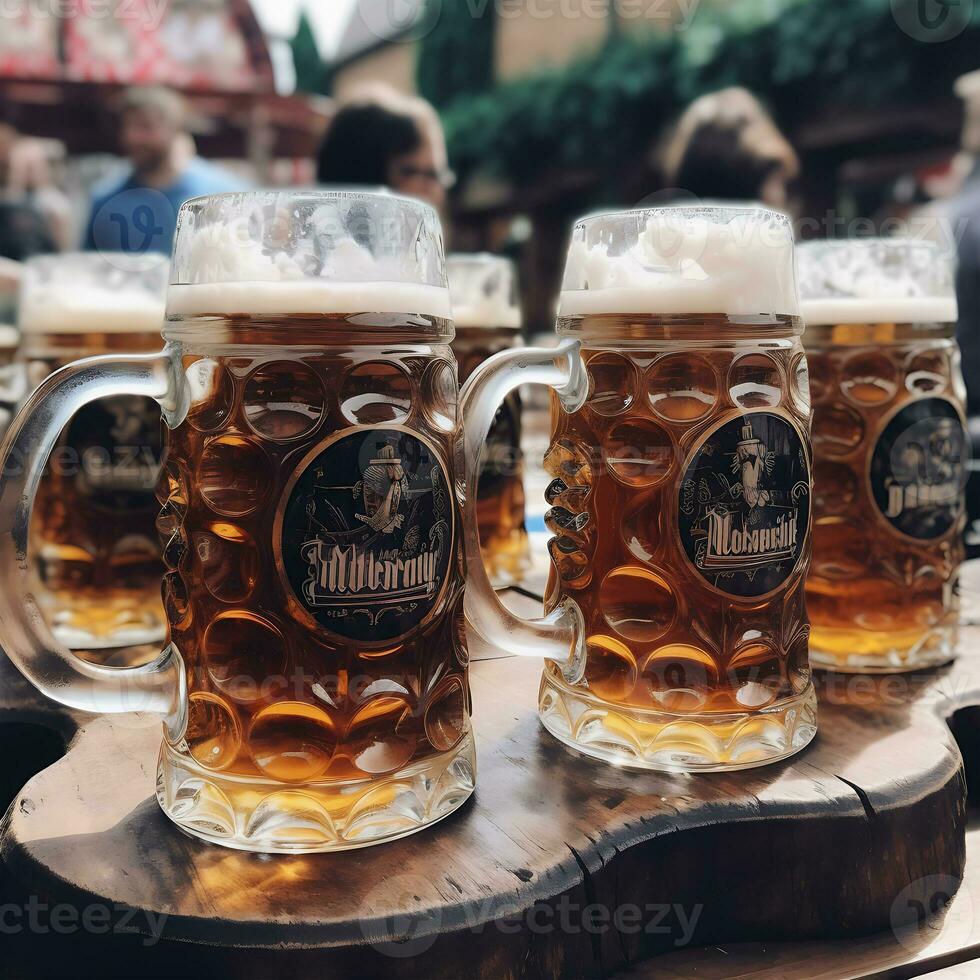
{"x": 918, "y": 469}
{"x": 367, "y": 534}
{"x": 744, "y": 507}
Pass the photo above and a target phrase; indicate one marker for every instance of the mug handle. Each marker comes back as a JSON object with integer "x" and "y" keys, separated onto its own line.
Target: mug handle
{"x": 560, "y": 635}
{"x": 51, "y": 667}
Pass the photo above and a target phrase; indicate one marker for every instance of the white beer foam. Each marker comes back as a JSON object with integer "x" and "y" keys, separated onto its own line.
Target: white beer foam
{"x": 876, "y": 280}
{"x": 868, "y": 281}
{"x": 687, "y": 264}
{"x": 481, "y": 288}
{"x": 306, "y": 296}
{"x": 88, "y": 309}
{"x": 491, "y": 313}
{"x": 235, "y": 276}
{"x": 911, "y": 309}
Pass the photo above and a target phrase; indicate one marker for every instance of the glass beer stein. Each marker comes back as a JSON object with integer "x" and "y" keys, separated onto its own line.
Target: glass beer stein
{"x": 314, "y": 688}
{"x": 483, "y": 289}
{"x": 680, "y": 493}
{"x": 890, "y": 452}
{"x": 95, "y": 545}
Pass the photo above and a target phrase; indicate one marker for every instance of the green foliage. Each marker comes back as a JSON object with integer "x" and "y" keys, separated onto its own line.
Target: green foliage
{"x": 311, "y": 76}
{"x": 797, "y": 55}
{"x": 455, "y": 55}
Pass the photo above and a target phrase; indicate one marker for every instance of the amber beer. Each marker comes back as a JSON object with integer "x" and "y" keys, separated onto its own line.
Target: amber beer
{"x": 890, "y": 452}
{"x": 299, "y": 666}
{"x": 313, "y": 689}
{"x": 680, "y": 494}
{"x": 93, "y": 533}
{"x": 312, "y": 540}
{"x": 488, "y": 320}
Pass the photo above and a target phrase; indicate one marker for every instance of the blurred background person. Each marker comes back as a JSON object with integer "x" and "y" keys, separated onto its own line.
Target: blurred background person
{"x": 964, "y": 213}
{"x": 8, "y": 140}
{"x": 23, "y": 233}
{"x": 727, "y": 147}
{"x": 379, "y": 137}
{"x": 139, "y": 213}
{"x": 30, "y": 181}
{"x": 23, "y": 229}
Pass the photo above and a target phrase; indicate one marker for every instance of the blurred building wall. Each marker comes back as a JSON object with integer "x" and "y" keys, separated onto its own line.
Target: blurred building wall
{"x": 551, "y": 33}
{"x": 527, "y": 40}
{"x": 393, "y": 63}
{"x": 528, "y": 37}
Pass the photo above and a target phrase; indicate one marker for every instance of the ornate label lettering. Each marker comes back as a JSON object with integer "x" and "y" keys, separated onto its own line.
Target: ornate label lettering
{"x": 917, "y": 470}
{"x": 744, "y": 506}
{"x": 367, "y": 534}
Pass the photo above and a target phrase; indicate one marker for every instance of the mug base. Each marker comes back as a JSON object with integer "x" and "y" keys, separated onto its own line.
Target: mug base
{"x": 856, "y": 651}
{"x": 253, "y": 814}
{"x": 642, "y": 738}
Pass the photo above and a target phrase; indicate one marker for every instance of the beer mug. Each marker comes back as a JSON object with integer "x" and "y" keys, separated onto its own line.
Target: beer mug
{"x": 94, "y": 543}
{"x": 483, "y": 290}
{"x": 314, "y": 688}
{"x": 890, "y": 449}
{"x": 680, "y": 493}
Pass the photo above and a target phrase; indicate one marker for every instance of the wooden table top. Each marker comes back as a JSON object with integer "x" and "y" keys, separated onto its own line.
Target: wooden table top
{"x": 822, "y": 845}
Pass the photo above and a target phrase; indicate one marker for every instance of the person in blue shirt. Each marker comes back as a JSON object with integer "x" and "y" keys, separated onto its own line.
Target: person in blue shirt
{"x": 139, "y": 213}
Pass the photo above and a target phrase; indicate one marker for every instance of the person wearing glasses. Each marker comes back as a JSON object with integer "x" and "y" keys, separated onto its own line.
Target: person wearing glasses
{"x": 381, "y": 138}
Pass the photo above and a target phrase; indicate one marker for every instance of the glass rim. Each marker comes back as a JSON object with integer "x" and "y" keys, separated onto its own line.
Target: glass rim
{"x": 682, "y": 260}
{"x": 307, "y": 250}
{"x": 338, "y": 193}
{"x": 716, "y": 211}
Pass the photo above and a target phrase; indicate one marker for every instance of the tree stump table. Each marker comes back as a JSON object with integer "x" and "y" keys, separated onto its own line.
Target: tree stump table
{"x": 558, "y": 867}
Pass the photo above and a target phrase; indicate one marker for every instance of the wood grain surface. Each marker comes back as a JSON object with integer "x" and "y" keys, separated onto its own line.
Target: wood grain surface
{"x": 559, "y": 866}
